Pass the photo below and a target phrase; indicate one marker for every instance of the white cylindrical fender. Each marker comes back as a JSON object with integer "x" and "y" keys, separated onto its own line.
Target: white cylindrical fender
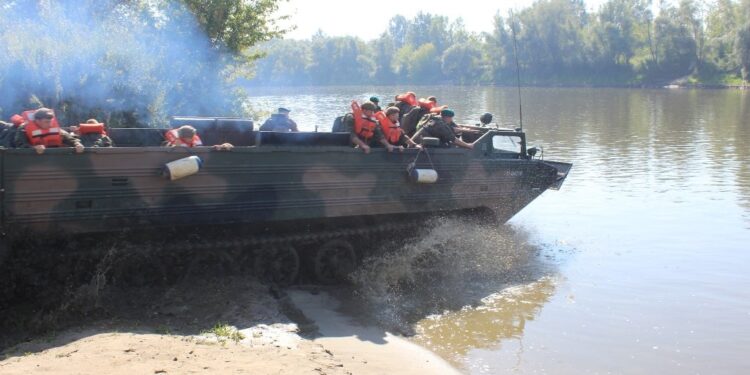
{"x": 424, "y": 176}
{"x": 184, "y": 167}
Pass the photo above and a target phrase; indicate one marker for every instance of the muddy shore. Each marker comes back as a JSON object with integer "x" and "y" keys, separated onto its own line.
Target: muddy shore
{"x": 225, "y": 325}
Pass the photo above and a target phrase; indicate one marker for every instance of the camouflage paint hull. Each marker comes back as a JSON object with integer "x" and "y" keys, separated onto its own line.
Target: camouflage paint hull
{"x": 111, "y": 189}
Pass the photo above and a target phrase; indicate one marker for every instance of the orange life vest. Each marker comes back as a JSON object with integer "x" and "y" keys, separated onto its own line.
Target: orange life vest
{"x": 91, "y": 129}
{"x": 46, "y": 137}
{"x": 363, "y": 126}
{"x": 409, "y": 98}
{"x": 426, "y": 104}
{"x": 391, "y": 131}
{"x": 173, "y": 139}
{"x": 437, "y": 109}
{"x": 28, "y": 116}
{"x": 431, "y": 106}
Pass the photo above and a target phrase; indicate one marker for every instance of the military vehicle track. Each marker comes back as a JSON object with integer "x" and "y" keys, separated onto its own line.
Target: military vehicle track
{"x": 38, "y": 268}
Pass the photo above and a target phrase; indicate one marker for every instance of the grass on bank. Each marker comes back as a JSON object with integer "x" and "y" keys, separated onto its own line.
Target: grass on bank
{"x": 224, "y": 332}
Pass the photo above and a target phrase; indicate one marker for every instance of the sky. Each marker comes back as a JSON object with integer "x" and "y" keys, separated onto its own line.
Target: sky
{"x": 346, "y": 17}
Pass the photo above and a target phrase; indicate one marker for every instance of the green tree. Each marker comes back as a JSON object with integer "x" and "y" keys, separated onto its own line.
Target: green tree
{"x": 461, "y": 63}
{"x": 237, "y": 24}
{"x": 424, "y": 66}
{"x": 383, "y": 53}
{"x": 690, "y": 16}
{"x": 743, "y": 50}
{"x": 721, "y": 33}
{"x": 675, "y": 46}
{"x": 286, "y": 63}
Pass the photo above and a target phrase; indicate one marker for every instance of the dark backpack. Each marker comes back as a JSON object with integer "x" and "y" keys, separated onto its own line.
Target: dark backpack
{"x": 338, "y": 125}
{"x": 410, "y": 120}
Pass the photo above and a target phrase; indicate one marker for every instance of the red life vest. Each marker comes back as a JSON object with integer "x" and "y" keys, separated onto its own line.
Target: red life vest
{"x": 391, "y": 131}
{"x": 409, "y": 98}
{"x": 173, "y": 139}
{"x": 46, "y": 137}
{"x": 363, "y": 126}
{"x": 91, "y": 129}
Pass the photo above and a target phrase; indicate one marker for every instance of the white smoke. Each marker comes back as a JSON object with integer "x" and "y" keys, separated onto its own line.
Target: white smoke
{"x": 147, "y": 58}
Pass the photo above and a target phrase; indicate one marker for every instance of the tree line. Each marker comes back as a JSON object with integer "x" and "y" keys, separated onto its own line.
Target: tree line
{"x": 559, "y": 42}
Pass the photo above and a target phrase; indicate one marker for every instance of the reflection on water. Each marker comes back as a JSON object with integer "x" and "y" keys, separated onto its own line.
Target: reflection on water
{"x": 500, "y": 316}
{"x": 657, "y": 207}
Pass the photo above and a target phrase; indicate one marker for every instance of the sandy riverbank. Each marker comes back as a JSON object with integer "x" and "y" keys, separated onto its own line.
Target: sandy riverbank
{"x": 225, "y": 326}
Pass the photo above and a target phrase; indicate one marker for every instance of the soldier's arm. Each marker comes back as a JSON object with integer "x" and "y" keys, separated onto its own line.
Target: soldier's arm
{"x": 380, "y": 138}
{"x": 20, "y": 139}
{"x": 408, "y": 141}
{"x": 69, "y": 139}
{"x": 293, "y": 125}
{"x": 104, "y": 141}
{"x": 72, "y": 141}
{"x": 463, "y": 144}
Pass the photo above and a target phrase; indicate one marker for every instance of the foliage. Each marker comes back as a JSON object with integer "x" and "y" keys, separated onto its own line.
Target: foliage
{"x": 559, "y": 42}
{"x": 127, "y": 62}
{"x": 237, "y": 24}
{"x": 223, "y": 332}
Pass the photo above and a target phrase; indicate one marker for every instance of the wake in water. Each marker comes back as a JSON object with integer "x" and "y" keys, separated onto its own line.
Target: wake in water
{"x": 456, "y": 262}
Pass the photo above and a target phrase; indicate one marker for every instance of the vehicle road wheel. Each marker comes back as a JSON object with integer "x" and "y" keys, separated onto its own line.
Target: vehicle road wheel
{"x": 277, "y": 265}
{"x": 334, "y": 262}
{"x": 210, "y": 263}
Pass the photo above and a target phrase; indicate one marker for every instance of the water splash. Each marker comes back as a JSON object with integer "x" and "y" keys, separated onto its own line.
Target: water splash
{"x": 455, "y": 263}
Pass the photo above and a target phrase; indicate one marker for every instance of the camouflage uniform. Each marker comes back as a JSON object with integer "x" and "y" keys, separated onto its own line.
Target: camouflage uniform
{"x": 96, "y": 140}
{"x": 21, "y": 141}
{"x": 7, "y": 135}
{"x": 410, "y": 120}
{"x": 434, "y": 126}
{"x": 279, "y": 123}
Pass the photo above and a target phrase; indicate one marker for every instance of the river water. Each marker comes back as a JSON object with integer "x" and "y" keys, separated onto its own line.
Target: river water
{"x": 639, "y": 265}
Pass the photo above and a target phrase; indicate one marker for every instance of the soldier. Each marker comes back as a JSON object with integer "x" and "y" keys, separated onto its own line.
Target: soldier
{"x": 485, "y": 119}
{"x": 280, "y": 122}
{"x": 187, "y": 136}
{"x": 184, "y": 136}
{"x": 392, "y": 130}
{"x": 376, "y": 101}
{"x": 8, "y": 131}
{"x": 92, "y": 134}
{"x": 363, "y": 127}
{"x": 41, "y": 132}
{"x": 442, "y": 127}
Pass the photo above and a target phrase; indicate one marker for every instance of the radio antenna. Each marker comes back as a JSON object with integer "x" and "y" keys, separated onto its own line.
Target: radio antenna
{"x": 518, "y": 69}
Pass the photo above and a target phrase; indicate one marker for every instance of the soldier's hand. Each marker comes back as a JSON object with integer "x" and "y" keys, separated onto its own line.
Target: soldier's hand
{"x": 390, "y": 148}
{"x": 400, "y": 148}
{"x": 223, "y": 147}
{"x": 366, "y": 149}
{"x": 79, "y": 148}
{"x": 39, "y": 149}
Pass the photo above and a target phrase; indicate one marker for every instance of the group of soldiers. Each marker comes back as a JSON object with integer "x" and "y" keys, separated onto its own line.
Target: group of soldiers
{"x": 402, "y": 124}
{"x": 40, "y": 130}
